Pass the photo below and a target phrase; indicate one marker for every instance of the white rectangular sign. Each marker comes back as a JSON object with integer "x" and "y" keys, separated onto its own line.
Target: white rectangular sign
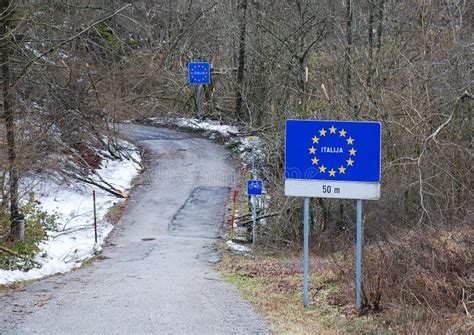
{"x": 332, "y": 189}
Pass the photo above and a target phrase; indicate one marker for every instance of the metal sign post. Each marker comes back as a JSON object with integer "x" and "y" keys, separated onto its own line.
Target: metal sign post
{"x": 253, "y": 161}
{"x": 254, "y": 219}
{"x": 359, "y": 255}
{"x": 198, "y": 101}
{"x": 333, "y": 159}
{"x": 306, "y": 252}
{"x": 254, "y": 199}
{"x": 254, "y": 188}
{"x": 199, "y": 73}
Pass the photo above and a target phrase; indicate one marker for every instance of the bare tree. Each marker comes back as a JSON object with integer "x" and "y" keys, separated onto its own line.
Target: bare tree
{"x": 9, "y": 115}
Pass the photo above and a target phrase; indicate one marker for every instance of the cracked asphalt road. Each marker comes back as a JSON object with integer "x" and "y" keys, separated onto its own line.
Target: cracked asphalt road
{"x": 156, "y": 275}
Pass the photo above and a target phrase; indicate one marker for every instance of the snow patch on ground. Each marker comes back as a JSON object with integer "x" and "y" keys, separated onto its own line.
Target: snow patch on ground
{"x": 237, "y": 248}
{"x": 209, "y": 125}
{"x": 196, "y": 124}
{"x": 73, "y": 242}
{"x": 247, "y": 147}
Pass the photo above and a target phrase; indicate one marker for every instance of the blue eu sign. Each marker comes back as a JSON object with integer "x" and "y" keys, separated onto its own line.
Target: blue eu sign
{"x": 199, "y": 73}
{"x": 254, "y": 187}
{"x": 333, "y": 159}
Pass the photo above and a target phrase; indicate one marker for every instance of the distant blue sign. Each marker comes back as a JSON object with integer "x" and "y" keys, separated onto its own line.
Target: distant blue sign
{"x": 254, "y": 187}
{"x": 333, "y": 151}
{"x": 199, "y": 73}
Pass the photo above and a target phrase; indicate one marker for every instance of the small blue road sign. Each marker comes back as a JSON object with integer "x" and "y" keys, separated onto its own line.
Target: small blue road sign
{"x": 199, "y": 73}
{"x": 344, "y": 157}
{"x": 254, "y": 187}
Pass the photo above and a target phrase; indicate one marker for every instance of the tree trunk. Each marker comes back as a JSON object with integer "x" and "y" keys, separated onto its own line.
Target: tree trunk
{"x": 350, "y": 54}
{"x": 370, "y": 65}
{"x": 301, "y": 59}
{"x": 3, "y": 201}
{"x": 241, "y": 61}
{"x": 5, "y": 39}
{"x": 380, "y": 18}
{"x": 261, "y": 77}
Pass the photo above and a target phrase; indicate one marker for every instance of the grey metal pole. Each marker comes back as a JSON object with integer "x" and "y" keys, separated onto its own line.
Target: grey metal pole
{"x": 359, "y": 255}
{"x": 254, "y": 218}
{"x": 254, "y": 198}
{"x": 306, "y": 251}
{"x": 198, "y": 102}
{"x": 254, "y": 173}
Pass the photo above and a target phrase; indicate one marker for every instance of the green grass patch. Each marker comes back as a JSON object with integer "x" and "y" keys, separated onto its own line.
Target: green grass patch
{"x": 106, "y": 33}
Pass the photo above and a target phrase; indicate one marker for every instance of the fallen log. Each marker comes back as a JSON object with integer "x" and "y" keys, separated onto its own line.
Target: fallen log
{"x": 260, "y": 217}
{"x": 247, "y": 215}
{"x": 110, "y": 189}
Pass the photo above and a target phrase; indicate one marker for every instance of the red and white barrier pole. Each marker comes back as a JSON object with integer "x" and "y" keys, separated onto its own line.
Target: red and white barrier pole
{"x": 95, "y": 217}
{"x": 234, "y": 200}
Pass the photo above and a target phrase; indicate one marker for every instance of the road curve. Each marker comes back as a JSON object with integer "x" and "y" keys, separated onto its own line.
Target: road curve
{"x": 156, "y": 274}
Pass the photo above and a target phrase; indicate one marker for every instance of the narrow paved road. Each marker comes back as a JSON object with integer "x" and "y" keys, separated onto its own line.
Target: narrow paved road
{"x": 156, "y": 275}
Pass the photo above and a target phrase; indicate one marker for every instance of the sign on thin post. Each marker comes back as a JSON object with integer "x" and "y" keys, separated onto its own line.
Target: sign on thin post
{"x": 254, "y": 187}
{"x": 333, "y": 159}
{"x": 199, "y": 73}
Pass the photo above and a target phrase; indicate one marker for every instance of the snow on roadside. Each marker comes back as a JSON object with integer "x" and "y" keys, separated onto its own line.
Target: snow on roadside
{"x": 237, "y": 248}
{"x": 196, "y": 124}
{"x": 73, "y": 242}
{"x": 209, "y": 125}
{"x": 245, "y": 146}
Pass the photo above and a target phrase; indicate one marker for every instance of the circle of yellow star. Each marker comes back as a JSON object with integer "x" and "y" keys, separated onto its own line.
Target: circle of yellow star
{"x": 342, "y": 169}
